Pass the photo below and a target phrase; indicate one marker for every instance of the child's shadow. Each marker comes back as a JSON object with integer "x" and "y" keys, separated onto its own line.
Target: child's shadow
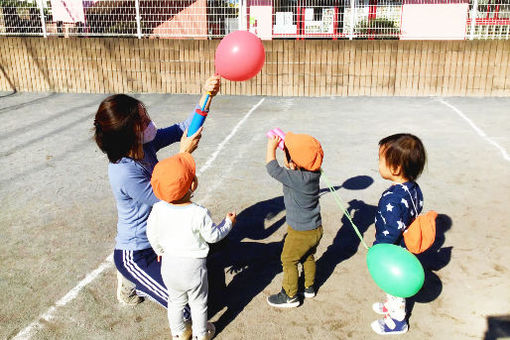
{"x": 254, "y": 264}
{"x": 433, "y": 259}
{"x": 346, "y": 241}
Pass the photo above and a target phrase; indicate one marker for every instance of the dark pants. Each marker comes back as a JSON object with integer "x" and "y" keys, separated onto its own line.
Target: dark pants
{"x": 142, "y": 268}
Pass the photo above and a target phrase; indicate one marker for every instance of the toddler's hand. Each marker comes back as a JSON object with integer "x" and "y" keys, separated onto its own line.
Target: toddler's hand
{"x": 232, "y": 217}
{"x": 272, "y": 143}
{"x": 212, "y": 85}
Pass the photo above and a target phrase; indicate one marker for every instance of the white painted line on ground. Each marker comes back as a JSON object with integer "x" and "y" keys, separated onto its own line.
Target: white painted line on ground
{"x": 32, "y": 328}
{"x": 479, "y": 131}
{"x": 225, "y": 141}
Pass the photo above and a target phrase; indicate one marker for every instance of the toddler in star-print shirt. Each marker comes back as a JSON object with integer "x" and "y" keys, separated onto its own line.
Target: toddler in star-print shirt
{"x": 401, "y": 160}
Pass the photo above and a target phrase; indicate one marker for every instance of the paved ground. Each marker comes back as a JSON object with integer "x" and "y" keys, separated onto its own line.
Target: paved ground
{"x": 57, "y": 222}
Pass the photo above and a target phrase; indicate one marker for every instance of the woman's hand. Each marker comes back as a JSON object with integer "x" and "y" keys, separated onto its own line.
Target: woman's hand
{"x": 212, "y": 85}
{"x": 189, "y": 144}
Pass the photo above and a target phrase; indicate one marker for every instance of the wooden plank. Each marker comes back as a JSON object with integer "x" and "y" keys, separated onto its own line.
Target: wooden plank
{"x": 470, "y": 67}
{"x": 325, "y": 72}
{"x": 334, "y": 69}
{"x": 301, "y": 48}
{"x": 433, "y": 68}
{"x": 506, "y": 53}
{"x": 504, "y": 90}
{"x": 344, "y": 63}
{"x": 462, "y": 67}
{"x": 30, "y": 59}
{"x": 479, "y": 69}
{"x": 420, "y": 74}
{"x": 383, "y": 69}
{"x": 280, "y": 68}
{"x": 351, "y": 67}
{"x": 392, "y": 54}
{"x": 445, "y": 51}
{"x": 307, "y": 67}
{"x": 491, "y": 46}
{"x": 452, "y": 85}
{"x": 406, "y": 60}
{"x": 413, "y": 69}
{"x": 397, "y": 87}
{"x": 499, "y": 70}
{"x": 429, "y": 86}
{"x": 24, "y": 64}
{"x": 316, "y": 61}
{"x": 370, "y": 74}
{"x": 362, "y": 74}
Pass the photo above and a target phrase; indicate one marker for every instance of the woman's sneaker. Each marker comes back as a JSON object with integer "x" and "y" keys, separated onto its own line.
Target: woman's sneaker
{"x": 282, "y": 300}
{"x": 126, "y": 293}
{"x": 380, "y": 308}
{"x": 211, "y": 331}
{"x": 309, "y": 292}
{"x": 388, "y": 326}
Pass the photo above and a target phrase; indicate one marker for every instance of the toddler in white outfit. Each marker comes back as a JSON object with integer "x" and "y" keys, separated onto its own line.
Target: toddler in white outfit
{"x": 179, "y": 231}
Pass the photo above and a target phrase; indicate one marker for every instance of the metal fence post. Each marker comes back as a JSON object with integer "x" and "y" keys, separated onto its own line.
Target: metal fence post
{"x": 239, "y": 18}
{"x": 138, "y": 19}
{"x": 474, "y": 14}
{"x": 43, "y": 21}
{"x": 351, "y": 19}
{"x": 242, "y": 16}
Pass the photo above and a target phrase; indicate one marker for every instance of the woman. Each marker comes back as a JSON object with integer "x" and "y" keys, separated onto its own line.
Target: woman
{"x": 125, "y": 133}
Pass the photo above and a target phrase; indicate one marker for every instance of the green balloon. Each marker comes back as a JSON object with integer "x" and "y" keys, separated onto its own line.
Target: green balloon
{"x": 395, "y": 270}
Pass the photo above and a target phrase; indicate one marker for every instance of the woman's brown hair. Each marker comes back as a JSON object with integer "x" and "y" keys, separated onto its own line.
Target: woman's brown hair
{"x": 118, "y": 127}
{"x": 405, "y": 151}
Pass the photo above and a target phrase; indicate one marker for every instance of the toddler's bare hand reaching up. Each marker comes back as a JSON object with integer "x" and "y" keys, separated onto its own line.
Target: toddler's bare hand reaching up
{"x": 232, "y": 216}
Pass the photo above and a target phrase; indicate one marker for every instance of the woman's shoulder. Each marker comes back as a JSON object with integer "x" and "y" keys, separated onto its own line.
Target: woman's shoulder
{"x": 123, "y": 170}
{"x": 124, "y": 166}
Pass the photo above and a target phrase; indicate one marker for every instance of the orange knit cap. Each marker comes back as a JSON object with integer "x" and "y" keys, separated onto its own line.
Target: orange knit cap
{"x": 172, "y": 177}
{"x": 304, "y": 150}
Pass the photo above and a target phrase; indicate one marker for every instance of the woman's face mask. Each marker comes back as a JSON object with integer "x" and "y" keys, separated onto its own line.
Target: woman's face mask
{"x": 149, "y": 133}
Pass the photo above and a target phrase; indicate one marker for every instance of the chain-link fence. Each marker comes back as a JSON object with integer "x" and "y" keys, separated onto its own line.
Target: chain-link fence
{"x": 269, "y": 19}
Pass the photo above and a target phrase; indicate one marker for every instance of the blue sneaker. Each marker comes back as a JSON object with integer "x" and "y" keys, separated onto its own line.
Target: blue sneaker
{"x": 389, "y": 326}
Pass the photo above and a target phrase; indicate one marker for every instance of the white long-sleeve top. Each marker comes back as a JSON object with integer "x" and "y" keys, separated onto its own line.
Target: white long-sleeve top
{"x": 183, "y": 230}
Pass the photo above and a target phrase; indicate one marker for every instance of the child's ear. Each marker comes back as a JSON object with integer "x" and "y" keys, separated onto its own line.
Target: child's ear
{"x": 396, "y": 170}
{"x": 194, "y": 184}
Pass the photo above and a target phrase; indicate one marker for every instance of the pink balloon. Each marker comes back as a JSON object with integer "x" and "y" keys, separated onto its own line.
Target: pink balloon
{"x": 239, "y": 56}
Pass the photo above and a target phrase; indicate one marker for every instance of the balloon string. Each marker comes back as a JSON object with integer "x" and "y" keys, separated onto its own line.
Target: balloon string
{"x": 339, "y": 202}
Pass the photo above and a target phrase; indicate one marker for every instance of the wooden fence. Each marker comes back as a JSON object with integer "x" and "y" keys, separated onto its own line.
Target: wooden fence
{"x": 292, "y": 68}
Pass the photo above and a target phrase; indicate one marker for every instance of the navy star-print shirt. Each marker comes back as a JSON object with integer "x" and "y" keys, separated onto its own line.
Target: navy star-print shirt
{"x": 396, "y": 212}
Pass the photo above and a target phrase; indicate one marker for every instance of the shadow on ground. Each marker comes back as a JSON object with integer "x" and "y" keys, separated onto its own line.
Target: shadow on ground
{"x": 255, "y": 264}
{"x": 498, "y": 327}
{"x": 433, "y": 259}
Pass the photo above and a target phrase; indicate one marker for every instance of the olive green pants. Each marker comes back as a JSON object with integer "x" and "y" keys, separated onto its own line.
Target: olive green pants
{"x": 299, "y": 247}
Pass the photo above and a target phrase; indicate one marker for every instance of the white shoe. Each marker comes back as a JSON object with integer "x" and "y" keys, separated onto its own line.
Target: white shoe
{"x": 186, "y": 335}
{"x": 211, "y": 331}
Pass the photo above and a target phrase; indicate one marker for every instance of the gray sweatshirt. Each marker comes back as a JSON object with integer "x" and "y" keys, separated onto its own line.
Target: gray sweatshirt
{"x": 300, "y": 195}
